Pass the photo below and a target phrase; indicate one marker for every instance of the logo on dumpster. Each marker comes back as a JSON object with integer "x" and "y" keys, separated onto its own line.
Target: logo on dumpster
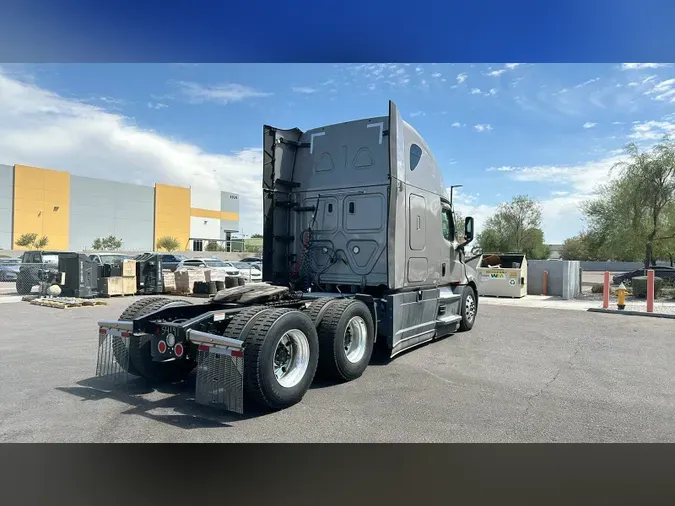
{"x": 495, "y": 274}
{"x": 512, "y": 282}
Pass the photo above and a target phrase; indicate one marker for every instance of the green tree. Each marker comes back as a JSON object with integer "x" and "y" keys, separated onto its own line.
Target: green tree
{"x": 110, "y": 243}
{"x": 515, "y": 228}
{"x": 256, "y": 236}
{"x": 32, "y": 241}
{"x": 214, "y": 246}
{"x": 168, "y": 243}
{"x": 631, "y": 216}
{"x": 579, "y": 247}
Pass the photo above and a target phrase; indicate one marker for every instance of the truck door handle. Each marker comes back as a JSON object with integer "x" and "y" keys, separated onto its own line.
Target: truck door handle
{"x": 443, "y": 269}
{"x": 419, "y": 222}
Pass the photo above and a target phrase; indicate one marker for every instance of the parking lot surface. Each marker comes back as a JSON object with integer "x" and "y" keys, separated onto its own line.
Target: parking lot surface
{"x": 521, "y": 375}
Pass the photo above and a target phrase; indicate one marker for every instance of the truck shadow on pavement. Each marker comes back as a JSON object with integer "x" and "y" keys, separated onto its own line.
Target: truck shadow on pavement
{"x": 172, "y": 404}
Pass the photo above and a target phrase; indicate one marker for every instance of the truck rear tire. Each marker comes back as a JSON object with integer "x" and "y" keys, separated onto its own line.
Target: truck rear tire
{"x": 280, "y": 358}
{"x": 140, "y": 355}
{"x": 346, "y": 338}
{"x": 121, "y": 346}
{"x": 317, "y": 309}
{"x": 468, "y": 309}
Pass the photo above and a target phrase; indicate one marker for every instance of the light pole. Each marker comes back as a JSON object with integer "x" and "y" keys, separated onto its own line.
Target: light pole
{"x": 452, "y": 188}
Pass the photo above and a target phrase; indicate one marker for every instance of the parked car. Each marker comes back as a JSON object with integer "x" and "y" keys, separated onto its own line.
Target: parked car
{"x": 9, "y": 268}
{"x": 169, "y": 260}
{"x": 251, "y": 259}
{"x": 250, "y": 273}
{"x": 108, "y": 258}
{"x": 209, "y": 263}
{"x": 660, "y": 271}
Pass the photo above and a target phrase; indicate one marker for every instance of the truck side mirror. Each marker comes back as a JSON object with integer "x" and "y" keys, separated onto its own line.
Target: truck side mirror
{"x": 468, "y": 230}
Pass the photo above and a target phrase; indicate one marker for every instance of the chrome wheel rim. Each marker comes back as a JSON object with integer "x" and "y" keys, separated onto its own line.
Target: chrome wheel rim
{"x": 356, "y": 338}
{"x": 291, "y": 358}
{"x": 470, "y": 308}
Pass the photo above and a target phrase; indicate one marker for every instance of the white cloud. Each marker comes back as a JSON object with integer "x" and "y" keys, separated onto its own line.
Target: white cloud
{"x": 223, "y": 93}
{"x": 41, "y": 128}
{"x": 492, "y": 92}
{"x": 589, "y": 124}
{"x": 461, "y": 77}
{"x": 157, "y": 105}
{"x": 651, "y": 130}
{"x": 436, "y": 74}
{"x": 417, "y": 113}
{"x": 483, "y": 127}
{"x": 456, "y": 124}
{"x": 586, "y": 83}
{"x": 561, "y": 214}
{"x": 663, "y": 90}
{"x": 467, "y": 205}
{"x": 475, "y": 91}
{"x": 507, "y": 67}
{"x": 303, "y": 89}
{"x": 640, "y": 66}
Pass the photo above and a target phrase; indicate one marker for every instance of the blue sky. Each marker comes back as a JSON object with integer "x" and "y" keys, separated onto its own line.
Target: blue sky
{"x": 548, "y": 130}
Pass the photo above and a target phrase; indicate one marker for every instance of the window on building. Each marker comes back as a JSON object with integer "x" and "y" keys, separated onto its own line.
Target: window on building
{"x": 198, "y": 245}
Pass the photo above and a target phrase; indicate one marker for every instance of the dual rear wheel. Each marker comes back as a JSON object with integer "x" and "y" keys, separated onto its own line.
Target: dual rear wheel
{"x": 284, "y": 348}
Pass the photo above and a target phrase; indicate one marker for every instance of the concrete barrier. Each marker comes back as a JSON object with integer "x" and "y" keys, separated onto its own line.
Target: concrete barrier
{"x": 564, "y": 278}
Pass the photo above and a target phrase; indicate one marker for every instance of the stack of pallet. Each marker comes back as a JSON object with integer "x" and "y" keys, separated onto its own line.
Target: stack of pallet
{"x": 186, "y": 278}
{"x": 214, "y": 275}
{"x": 169, "y": 279}
{"x": 120, "y": 285}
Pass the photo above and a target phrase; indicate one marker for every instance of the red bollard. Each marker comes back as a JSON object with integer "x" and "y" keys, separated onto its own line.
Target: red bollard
{"x": 650, "y": 291}
{"x": 605, "y": 291}
{"x": 544, "y": 284}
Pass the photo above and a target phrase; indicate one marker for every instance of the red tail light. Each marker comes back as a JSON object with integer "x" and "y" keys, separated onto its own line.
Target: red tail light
{"x": 161, "y": 346}
{"x": 178, "y": 350}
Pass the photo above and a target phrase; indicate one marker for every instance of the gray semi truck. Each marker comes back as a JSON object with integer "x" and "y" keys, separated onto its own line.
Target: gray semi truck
{"x": 359, "y": 246}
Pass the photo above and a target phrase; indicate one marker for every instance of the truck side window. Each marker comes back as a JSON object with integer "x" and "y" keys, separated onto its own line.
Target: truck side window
{"x": 446, "y": 224}
{"x": 415, "y": 155}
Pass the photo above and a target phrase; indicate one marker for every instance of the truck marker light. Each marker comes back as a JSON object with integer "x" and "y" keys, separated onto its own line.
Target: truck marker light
{"x": 203, "y": 347}
{"x": 161, "y": 346}
{"x": 237, "y": 353}
{"x": 178, "y": 350}
{"x": 101, "y": 330}
{"x": 125, "y": 334}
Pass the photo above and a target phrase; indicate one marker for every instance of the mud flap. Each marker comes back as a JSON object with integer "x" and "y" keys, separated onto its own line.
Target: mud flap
{"x": 112, "y": 362}
{"x": 220, "y": 378}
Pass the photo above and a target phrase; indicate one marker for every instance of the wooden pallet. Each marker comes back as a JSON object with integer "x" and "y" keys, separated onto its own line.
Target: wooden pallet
{"x": 66, "y": 302}
{"x": 108, "y": 295}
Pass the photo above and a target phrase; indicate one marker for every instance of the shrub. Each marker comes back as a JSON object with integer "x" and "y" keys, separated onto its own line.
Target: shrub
{"x": 597, "y": 288}
{"x": 639, "y": 286}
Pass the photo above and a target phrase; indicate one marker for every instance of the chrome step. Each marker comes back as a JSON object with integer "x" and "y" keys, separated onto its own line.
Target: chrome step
{"x": 448, "y": 319}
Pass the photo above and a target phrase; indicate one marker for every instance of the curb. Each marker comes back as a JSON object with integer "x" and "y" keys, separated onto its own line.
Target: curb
{"x": 631, "y": 313}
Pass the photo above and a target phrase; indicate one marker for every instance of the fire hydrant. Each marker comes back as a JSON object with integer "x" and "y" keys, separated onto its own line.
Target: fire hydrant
{"x": 621, "y": 293}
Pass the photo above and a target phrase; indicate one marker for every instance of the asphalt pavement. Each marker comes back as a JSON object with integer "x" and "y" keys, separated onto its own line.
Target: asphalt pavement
{"x": 521, "y": 375}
